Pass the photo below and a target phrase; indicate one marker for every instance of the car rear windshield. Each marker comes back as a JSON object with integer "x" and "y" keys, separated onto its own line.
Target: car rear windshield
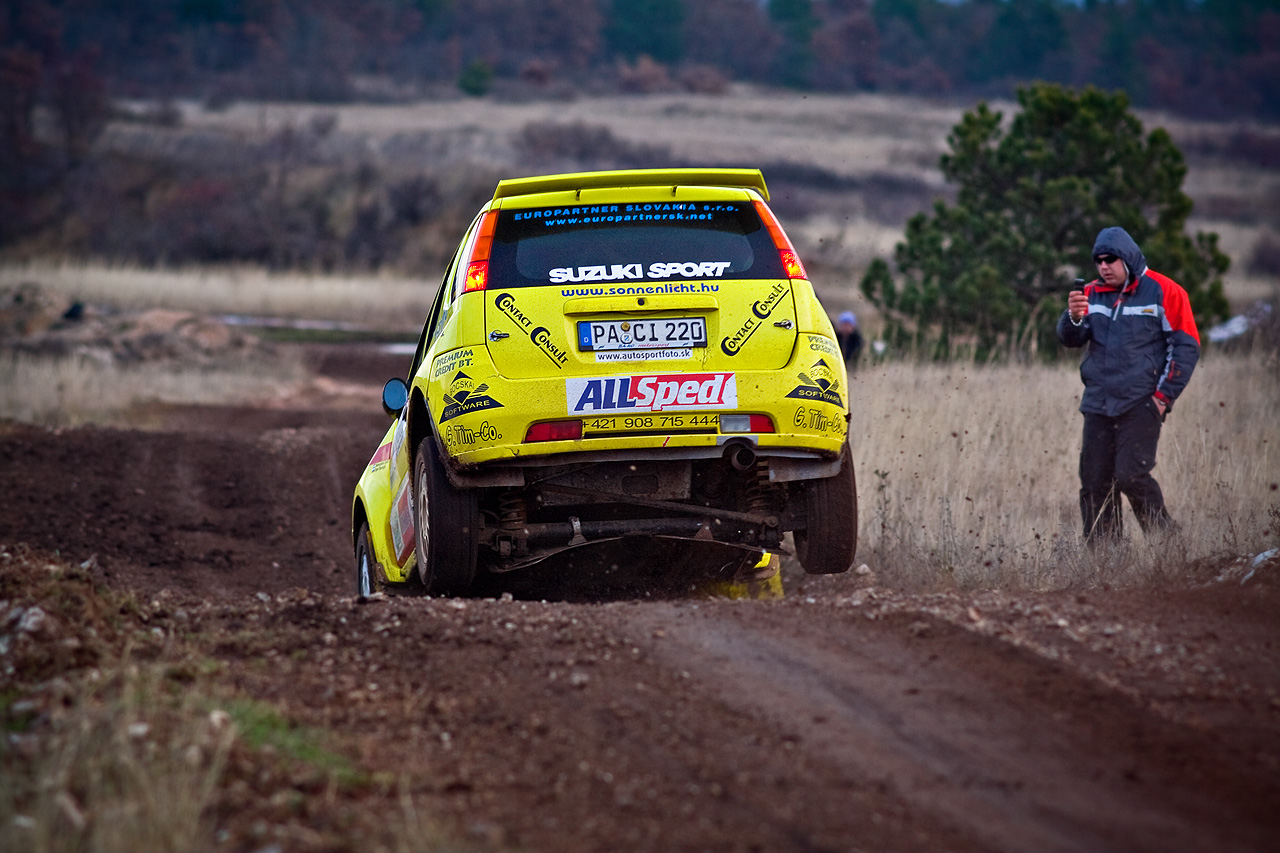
{"x": 657, "y": 241}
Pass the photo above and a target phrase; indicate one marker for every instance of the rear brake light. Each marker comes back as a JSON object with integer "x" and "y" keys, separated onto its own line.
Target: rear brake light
{"x": 478, "y": 263}
{"x": 786, "y": 252}
{"x": 554, "y": 431}
{"x": 745, "y": 423}
{"x": 792, "y": 265}
{"x": 477, "y": 276}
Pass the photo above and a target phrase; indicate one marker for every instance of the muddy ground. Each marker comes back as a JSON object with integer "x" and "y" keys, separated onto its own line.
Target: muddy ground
{"x": 847, "y": 716}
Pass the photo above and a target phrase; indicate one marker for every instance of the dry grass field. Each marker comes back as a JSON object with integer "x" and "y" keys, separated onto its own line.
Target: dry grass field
{"x": 390, "y": 303}
{"x": 967, "y": 475}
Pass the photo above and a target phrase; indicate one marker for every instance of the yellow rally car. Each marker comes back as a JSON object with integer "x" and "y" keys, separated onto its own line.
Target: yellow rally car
{"x": 614, "y": 354}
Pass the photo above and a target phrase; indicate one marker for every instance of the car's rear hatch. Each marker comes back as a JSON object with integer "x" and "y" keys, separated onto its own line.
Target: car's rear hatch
{"x": 673, "y": 280}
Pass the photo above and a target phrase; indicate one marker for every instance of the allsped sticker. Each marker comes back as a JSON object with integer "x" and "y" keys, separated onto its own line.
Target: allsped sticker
{"x": 661, "y": 392}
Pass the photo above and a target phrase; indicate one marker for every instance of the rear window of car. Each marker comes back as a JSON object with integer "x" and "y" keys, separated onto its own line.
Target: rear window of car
{"x": 647, "y": 242}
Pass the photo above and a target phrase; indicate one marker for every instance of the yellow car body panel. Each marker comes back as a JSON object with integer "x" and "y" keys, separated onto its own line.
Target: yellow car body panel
{"x": 385, "y": 479}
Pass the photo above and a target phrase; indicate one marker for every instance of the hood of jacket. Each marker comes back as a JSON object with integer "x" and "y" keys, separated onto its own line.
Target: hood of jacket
{"x": 1116, "y": 241}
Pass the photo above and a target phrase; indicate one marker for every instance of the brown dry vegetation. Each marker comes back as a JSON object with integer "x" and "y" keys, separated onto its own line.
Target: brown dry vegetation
{"x": 362, "y": 187}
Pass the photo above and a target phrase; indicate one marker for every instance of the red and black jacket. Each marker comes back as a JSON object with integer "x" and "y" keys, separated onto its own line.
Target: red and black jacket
{"x": 1142, "y": 338}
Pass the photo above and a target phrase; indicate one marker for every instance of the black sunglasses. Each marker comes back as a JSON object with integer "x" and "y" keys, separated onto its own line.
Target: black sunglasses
{"x": 1105, "y": 259}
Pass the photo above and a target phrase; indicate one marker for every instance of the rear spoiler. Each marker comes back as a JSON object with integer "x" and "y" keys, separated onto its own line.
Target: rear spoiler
{"x": 745, "y": 178}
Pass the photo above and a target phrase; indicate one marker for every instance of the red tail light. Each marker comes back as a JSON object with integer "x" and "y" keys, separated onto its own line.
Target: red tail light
{"x": 554, "y": 431}
{"x": 786, "y": 252}
{"x": 478, "y": 263}
{"x": 477, "y": 276}
{"x": 745, "y": 423}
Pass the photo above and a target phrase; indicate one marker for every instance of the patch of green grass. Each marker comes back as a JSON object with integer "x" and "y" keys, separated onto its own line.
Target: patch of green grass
{"x": 14, "y": 721}
{"x": 263, "y": 728}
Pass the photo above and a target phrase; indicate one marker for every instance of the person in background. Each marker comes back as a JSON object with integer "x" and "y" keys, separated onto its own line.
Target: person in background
{"x": 1143, "y": 346}
{"x": 850, "y": 337}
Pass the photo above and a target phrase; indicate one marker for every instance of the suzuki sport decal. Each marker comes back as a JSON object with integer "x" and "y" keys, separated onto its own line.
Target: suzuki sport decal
{"x": 818, "y": 383}
{"x": 619, "y": 272}
{"x": 654, "y": 392}
{"x": 465, "y": 397}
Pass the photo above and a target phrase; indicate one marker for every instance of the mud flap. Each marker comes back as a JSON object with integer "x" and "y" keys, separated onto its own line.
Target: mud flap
{"x": 761, "y": 582}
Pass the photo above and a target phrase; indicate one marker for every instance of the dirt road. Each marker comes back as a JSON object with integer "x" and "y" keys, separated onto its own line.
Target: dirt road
{"x": 845, "y": 717}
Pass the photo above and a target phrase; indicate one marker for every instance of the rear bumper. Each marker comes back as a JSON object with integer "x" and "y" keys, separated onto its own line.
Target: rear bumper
{"x": 786, "y": 464}
{"x": 808, "y": 422}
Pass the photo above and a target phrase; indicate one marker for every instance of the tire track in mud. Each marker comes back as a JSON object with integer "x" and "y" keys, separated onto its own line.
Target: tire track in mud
{"x": 1011, "y": 750}
{"x": 205, "y": 509}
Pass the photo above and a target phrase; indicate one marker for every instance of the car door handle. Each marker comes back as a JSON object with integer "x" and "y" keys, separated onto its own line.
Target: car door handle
{"x": 497, "y": 336}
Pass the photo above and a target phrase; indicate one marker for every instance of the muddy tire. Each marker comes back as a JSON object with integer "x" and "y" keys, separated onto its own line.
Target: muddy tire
{"x": 827, "y": 544}
{"x": 368, "y": 579}
{"x": 446, "y": 522}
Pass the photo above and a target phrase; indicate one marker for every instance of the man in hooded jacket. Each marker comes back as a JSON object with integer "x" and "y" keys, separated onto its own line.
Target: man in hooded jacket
{"x": 1143, "y": 346}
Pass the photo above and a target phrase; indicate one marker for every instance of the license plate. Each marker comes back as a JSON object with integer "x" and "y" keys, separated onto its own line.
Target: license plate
{"x": 673, "y": 333}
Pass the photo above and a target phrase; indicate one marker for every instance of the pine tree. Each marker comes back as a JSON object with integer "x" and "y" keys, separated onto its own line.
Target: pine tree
{"x": 992, "y": 271}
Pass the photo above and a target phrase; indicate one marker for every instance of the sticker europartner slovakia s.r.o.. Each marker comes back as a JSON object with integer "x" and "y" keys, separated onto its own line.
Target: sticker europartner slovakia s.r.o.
{"x": 465, "y": 397}
{"x": 654, "y": 392}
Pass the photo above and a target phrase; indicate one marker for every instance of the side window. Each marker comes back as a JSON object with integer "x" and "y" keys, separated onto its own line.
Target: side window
{"x": 436, "y": 317}
{"x": 428, "y": 330}
{"x": 446, "y": 297}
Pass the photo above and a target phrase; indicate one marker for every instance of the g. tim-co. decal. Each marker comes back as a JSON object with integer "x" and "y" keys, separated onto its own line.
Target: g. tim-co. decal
{"x": 540, "y": 336}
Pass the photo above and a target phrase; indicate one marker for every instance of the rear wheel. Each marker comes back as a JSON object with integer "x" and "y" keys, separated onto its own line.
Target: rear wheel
{"x": 447, "y": 525}
{"x": 368, "y": 579}
{"x": 827, "y": 544}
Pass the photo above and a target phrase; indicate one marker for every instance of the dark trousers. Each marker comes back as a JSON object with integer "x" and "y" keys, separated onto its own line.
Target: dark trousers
{"x": 1116, "y": 458}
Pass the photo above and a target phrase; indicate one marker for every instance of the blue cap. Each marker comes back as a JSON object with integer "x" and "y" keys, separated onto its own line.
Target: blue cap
{"x": 849, "y": 317}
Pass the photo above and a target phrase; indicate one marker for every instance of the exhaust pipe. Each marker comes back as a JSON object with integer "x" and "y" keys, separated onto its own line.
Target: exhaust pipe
{"x": 741, "y": 457}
